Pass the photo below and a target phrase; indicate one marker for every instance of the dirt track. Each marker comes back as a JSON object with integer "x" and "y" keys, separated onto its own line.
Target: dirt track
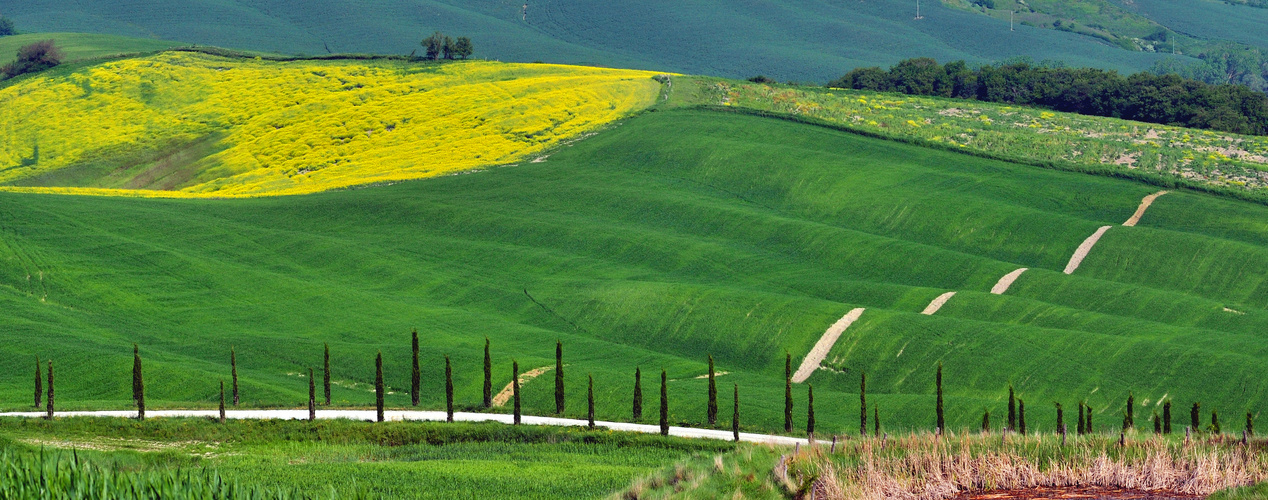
{"x": 1084, "y": 248}
{"x": 1144, "y": 205}
{"x": 1007, "y": 281}
{"x": 825, "y": 343}
{"x": 937, "y": 303}
{"x": 505, "y": 394}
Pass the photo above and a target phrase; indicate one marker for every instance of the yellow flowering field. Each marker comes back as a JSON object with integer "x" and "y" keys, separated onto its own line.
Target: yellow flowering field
{"x": 189, "y": 124}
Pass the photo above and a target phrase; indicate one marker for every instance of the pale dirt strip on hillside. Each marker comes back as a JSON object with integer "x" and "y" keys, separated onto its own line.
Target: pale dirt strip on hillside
{"x": 1084, "y": 248}
{"x": 1144, "y": 205}
{"x": 431, "y": 416}
{"x": 1007, "y": 281}
{"x": 505, "y": 394}
{"x": 825, "y": 343}
{"x": 937, "y": 303}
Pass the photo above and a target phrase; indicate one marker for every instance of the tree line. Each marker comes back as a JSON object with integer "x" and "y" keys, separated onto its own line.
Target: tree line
{"x": 1015, "y": 422}
{"x": 441, "y": 46}
{"x": 1163, "y": 99}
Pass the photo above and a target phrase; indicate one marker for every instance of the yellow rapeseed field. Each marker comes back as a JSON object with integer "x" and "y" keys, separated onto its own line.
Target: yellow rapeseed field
{"x": 186, "y": 124}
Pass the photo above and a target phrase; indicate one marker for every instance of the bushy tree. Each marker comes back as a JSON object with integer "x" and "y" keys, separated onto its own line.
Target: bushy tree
{"x": 6, "y": 27}
{"x": 463, "y": 48}
{"x": 33, "y": 58}
{"x": 435, "y": 45}
{"x": 447, "y": 48}
{"x": 711, "y": 409}
{"x": 638, "y": 394}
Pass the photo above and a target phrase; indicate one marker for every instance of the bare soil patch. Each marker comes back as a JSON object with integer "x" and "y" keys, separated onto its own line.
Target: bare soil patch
{"x": 505, "y": 394}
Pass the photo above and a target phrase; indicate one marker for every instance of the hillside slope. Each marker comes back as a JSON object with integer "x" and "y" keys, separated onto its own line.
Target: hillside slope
{"x": 675, "y": 235}
{"x": 803, "y": 40}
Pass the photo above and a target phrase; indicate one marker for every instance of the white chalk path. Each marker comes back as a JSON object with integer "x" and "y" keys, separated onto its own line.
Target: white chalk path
{"x": 1007, "y": 281}
{"x": 1081, "y": 252}
{"x": 937, "y": 303}
{"x": 1144, "y": 205}
{"x": 434, "y": 416}
{"x": 825, "y": 343}
{"x": 505, "y": 394}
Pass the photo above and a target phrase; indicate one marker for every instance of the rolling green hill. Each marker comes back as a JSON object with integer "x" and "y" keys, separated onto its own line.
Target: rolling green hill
{"x": 679, "y": 233}
{"x": 81, "y": 46}
{"x": 786, "y": 39}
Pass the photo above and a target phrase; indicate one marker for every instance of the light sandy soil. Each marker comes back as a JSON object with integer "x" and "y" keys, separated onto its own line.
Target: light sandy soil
{"x": 825, "y": 343}
{"x": 1007, "y": 281}
{"x": 1081, "y": 252}
{"x": 937, "y": 303}
{"x": 1144, "y": 205}
{"x": 434, "y": 416}
{"x": 505, "y": 394}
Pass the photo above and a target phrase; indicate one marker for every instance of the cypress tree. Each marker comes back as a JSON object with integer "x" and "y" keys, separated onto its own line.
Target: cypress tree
{"x": 378, "y": 386}
{"x": 810, "y": 410}
{"x": 664, "y": 403}
{"x": 788, "y": 403}
{"x": 1021, "y": 417}
{"x": 876, "y": 421}
{"x": 1126, "y": 424}
{"x": 448, "y": 390}
{"x": 415, "y": 376}
{"x": 39, "y": 384}
{"x": 941, "y": 424}
{"x": 863, "y": 403}
{"x": 712, "y": 410}
{"x": 1088, "y": 426}
{"x": 222, "y": 401}
{"x": 1194, "y": 419}
{"x": 1215, "y": 417}
{"x": 49, "y": 400}
{"x": 638, "y": 394}
{"x": 1012, "y": 409}
{"x": 986, "y": 421}
{"x": 1060, "y": 418}
{"x": 1131, "y": 412}
{"x": 326, "y": 377}
{"x": 312, "y": 396}
{"x": 515, "y": 388}
{"x": 233, "y": 367}
{"x": 590, "y": 400}
{"x": 1250, "y": 424}
{"x": 1166, "y": 417}
{"x": 735, "y": 415}
{"x": 559, "y": 377}
{"x": 488, "y": 376}
{"x": 138, "y": 383}
{"x": 1079, "y": 428}
{"x": 1157, "y": 423}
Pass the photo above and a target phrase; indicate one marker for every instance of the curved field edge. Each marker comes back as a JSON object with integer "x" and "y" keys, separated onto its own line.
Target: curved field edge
{"x": 186, "y": 124}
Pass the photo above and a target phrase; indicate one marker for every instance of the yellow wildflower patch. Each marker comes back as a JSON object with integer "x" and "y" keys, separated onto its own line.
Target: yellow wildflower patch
{"x": 187, "y": 124}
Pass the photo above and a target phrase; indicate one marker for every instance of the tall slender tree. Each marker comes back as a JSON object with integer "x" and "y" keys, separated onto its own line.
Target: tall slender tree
{"x": 1079, "y": 427}
{"x": 1250, "y": 424}
{"x": 1195, "y": 419}
{"x": 942, "y": 423}
{"x": 1060, "y": 419}
{"x": 1131, "y": 411}
{"x": 378, "y": 387}
{"x": 222, "y": 401}
{"x": 326, "y": 376}
{"x": 876, "y": 421}
{"x": 233, "y": 368}
{"x": 448, "y": 390}
{"x": 559, "y": 377}
{"x": 810, "y": 410}
{"x": 138, "y": 383}
{"x": 416, "y": 375}
{"x": 711, "y": 410}
{"x": 1012, "y": 409}
{"x": 1087, "y": 426}
{"x": 986, "y": 421}
{"x": 312, "y": 396}
{"x": 638, "y": 394}
{"x": 488, "y": 376}
{"x": 1166, "y": 417}
{"x": 788, "y": 403}
{"x": 515, "y": 389}
{"x": 1215, "y": 419}
{"x": 1157, "y": 423}
{"x": 39, "y": 384}
{"x": 49, "y": 400}
{"x": 664, "y": 403}
{"x": 590, "y": 400}
{"x": 863, "y": 403}
{"x": 1021, "y": 417}
{"x": 735, "y": 415}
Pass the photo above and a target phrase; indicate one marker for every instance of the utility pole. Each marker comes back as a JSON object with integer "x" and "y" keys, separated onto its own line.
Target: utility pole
{"x": 918, "y": 16}
{"x": 1011, "y": 16}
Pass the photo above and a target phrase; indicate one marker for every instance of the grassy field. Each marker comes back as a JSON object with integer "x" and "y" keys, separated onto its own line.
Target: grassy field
{"x": 191, "y": 124}
{"x": 83, "y": 46}
{"x": 787, "y": 39}
{"x": 1208, "y": 19}
{"x": 359, "y": 459}
{"x": 677, "y": 234}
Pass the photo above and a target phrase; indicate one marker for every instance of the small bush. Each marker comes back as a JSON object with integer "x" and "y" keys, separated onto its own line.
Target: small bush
{"x": 33, "y": 58}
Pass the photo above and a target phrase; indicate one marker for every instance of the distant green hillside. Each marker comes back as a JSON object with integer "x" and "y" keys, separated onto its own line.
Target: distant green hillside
{"x": 676, "y": 235}
{"x": 786, "y": 39}
{"x": 80, "y": 46}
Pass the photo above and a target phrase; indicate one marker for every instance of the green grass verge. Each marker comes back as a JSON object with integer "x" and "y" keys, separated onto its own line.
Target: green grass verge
{"x": 84, "y": 46}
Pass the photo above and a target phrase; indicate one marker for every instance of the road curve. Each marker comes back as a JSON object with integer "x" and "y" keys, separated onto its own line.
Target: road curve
{"x": 433, "y": 416}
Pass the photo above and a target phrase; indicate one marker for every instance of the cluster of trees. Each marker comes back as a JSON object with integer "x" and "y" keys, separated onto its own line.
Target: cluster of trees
{"x": 439, "y": 46}
{"x": 1164, "y": 99}
{"x": 6, "y": 27}
{"x": 33, "y": 58}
